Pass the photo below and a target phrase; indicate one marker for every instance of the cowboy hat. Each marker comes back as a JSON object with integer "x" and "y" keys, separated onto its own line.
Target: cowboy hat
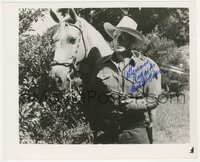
{"x": 126, "y": 25}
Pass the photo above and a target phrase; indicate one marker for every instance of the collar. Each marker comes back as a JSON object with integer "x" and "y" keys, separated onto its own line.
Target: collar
{"x": 133, "y": 55}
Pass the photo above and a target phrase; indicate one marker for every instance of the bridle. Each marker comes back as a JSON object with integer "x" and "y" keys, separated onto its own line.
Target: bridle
{"x": 73, "y": 64}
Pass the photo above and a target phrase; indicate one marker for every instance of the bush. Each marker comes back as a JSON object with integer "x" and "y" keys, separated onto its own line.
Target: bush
{"x": 165, "y": 52}
{"x": 39, "y": 124}
{"x": 46, "y": 114}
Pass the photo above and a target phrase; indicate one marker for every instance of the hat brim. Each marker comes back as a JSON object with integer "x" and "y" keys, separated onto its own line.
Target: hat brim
{"x": 109, "y": 28}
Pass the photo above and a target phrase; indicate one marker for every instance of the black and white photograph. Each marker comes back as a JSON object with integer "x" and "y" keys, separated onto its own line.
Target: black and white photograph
{"x": 104, "y": 76}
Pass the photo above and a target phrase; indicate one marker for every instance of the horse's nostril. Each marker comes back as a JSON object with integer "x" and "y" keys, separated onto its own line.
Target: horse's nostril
{"x": 58, "y": 81}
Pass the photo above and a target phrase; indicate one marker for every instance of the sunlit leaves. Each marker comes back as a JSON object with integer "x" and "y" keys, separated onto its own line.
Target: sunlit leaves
{"x": 45, "y": 114}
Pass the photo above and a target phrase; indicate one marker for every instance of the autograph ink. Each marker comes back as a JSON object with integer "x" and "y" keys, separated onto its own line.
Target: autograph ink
{"x": 143, "y": 77}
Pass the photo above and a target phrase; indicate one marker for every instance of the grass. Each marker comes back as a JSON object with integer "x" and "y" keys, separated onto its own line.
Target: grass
{"x": 172, "y": 122}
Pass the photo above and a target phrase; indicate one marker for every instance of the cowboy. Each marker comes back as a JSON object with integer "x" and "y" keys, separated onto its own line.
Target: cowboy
{"x": 119, "y": 109}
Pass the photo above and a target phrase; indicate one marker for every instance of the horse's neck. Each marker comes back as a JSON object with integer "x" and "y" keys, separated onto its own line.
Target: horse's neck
{"x": 96, "y": 47}
{"x": 94, "y": 39}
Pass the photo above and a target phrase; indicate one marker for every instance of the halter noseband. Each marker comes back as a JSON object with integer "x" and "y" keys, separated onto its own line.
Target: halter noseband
{"x": 72, "y": 64}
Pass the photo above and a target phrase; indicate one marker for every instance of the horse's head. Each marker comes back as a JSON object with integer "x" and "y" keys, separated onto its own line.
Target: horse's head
{"x": 69, "y": 47}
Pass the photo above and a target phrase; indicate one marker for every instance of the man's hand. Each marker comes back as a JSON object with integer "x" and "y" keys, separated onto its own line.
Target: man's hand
{"x": 133, "y": 104}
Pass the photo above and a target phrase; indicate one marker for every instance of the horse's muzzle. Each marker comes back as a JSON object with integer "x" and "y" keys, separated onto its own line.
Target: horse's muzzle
{"x": 61, "y": 77}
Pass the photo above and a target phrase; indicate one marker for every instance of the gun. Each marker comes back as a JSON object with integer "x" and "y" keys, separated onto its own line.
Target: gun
{"x": 123, "y": 96}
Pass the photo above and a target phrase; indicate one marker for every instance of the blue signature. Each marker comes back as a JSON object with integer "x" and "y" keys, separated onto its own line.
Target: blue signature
{"x": 139, "y": 79}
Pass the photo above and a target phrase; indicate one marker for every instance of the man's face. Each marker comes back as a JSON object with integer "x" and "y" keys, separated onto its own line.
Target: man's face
{"x": 121, "y": 41}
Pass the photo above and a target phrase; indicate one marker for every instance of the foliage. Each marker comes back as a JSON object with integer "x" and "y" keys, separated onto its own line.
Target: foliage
{"x": 160, "y": 49}
{"x": 46, "y": 114}
{"x": 165, "y": 52}
{"x": 172, "y": 23}
{"x": 27, "y": 16}
{"x": 175, "y": 27}
{"x": 40, "y": 124}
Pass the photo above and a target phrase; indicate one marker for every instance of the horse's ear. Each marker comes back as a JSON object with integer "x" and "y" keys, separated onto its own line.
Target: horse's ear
{"x": 73, "y": 15}
{"x": 54, "y": 16}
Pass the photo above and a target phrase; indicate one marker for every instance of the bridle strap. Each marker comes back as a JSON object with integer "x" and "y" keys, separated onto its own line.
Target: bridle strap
{"x": 54, "y": 62}
{"x": 82, "y": 38}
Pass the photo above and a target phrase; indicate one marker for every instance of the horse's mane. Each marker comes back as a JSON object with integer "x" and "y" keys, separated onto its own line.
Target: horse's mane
{"x": 94, "y": 38}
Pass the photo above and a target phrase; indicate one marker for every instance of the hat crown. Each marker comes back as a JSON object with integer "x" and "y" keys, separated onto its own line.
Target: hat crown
{"x": 126, "y": 25}
{"x": 127, "y": 22}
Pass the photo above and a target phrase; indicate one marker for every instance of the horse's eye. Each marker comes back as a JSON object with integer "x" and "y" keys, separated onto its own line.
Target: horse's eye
{"x": 72, "y": 41}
